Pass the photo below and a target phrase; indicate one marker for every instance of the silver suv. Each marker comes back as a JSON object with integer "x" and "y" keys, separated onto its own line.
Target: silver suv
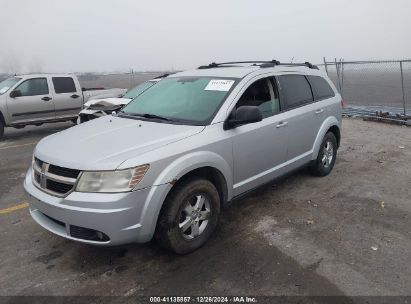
{"x": 167, "y": 162}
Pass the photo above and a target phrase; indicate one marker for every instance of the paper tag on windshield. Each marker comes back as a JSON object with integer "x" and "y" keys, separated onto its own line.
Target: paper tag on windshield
{"x": 3, "y": 90}
{"x": 219, "y": 85}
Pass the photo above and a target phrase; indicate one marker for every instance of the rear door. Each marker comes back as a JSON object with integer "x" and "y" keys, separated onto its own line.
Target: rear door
{"x": 67, "y": 99}
{"x": 325, "y": 99}
{"x": 302, "y": 123}
{"x": 33, "y": 103}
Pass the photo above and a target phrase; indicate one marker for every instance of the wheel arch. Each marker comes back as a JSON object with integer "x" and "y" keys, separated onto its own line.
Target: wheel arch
{"x": 337, "y": 133}
{"x": 209, "y": 173}
{"x": 204, "y": 164}
{"x": 331, "y": 124}
{"x": 2, "y": 125}
{"x": 2, "y": 119}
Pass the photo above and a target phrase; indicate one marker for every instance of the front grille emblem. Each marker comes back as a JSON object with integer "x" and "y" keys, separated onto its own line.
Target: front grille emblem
{"x": 49, "y": 179}
{"x": 43, "y": 180}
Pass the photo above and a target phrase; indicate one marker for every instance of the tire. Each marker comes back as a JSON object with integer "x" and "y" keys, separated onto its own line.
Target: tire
{"x": 183, "y": 229}
{"x": 1, "y": 129}
{"x": 327, "y": 155}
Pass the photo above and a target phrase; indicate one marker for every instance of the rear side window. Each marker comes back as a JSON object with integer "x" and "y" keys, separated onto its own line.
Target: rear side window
{"x": 322, "y": 89}
{"x": 296, "y": 90}
{"x": 64, "y": 85}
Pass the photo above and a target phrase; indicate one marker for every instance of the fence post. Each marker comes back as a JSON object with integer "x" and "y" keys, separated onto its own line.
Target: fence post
{"x": 402, "y": 87}
{"x": 338, "y": 75}
{"x": 342, "y": 76}
{"x": 131, "y": 78}
{"x": 325, "y": 65}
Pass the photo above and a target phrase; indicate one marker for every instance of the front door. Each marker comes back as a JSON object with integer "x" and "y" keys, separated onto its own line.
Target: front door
{"x": 259, "y": 149}
{"x": 33, "y": 102}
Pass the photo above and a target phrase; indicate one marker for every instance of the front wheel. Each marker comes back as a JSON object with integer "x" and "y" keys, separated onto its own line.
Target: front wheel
{"x": 325, "y": 161}
{"x": 189, "y": 216}
{"x": 1, "y": 129}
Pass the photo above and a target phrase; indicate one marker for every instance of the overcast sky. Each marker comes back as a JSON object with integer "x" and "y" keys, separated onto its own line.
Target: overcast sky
{"x": 108, "y": 35}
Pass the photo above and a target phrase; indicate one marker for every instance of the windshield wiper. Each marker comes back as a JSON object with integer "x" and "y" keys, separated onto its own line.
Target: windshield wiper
{"x": 146, "y": 115}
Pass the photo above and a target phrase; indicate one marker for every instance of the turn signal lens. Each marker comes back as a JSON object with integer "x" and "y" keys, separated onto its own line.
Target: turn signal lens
{"x": 138, "y": 175}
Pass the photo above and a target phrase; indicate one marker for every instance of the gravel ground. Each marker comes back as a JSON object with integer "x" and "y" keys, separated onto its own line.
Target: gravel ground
{"x": 346, "y": 234}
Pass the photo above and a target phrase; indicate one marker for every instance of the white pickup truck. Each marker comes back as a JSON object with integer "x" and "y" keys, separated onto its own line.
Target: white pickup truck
{"x": 43, "y": 98}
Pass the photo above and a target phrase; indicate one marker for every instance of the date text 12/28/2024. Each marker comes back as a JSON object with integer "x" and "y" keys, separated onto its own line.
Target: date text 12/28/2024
{"x": 199, "y": 299}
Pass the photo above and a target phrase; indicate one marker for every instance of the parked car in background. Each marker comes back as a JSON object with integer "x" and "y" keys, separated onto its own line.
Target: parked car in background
{"x": 105, "y": 106}
{"x": 167, "y": 162}
{"x": 42, "y": 98}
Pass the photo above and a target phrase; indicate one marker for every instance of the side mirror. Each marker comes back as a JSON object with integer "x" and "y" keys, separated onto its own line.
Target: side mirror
{"x": 15, "y": 93}
{"x": 242, "y": 116}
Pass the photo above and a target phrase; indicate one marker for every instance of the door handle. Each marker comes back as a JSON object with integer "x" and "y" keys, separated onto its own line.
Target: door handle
{"x": 282, "y": 124}
{"x": 74, "y": 96}
{"x": 46, "y": 98}
{"x": 319, "y": 111}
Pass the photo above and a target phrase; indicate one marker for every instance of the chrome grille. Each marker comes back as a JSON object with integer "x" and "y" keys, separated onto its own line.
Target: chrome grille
{"x": 53, "y": 179}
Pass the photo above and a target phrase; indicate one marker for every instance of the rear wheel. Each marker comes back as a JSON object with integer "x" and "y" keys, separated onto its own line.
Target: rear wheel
{"x": 325, "y": 161}
{"x": 189, "y": 216}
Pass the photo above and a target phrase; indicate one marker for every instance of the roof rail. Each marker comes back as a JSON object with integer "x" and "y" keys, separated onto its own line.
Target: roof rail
{"x": 254, "y": 62}
{"x": 261, "y": 64}
{"x": 306, "y": 64}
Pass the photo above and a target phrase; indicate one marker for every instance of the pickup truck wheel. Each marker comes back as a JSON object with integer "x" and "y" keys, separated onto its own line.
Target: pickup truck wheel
{"x": 325, "y": 161}
{"x": 189, "y": 216}
{"x": 1, "y": 129}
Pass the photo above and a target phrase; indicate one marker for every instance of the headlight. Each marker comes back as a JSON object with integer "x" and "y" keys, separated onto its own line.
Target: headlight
{"x": 111, "y": 181}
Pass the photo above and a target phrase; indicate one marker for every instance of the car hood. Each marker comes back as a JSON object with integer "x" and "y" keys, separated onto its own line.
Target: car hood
{"x": 108, "y": 102}
{"x": 106, "y": 142}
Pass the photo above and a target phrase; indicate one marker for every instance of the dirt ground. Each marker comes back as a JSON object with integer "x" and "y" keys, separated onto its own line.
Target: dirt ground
{"x": 345, "y": 234}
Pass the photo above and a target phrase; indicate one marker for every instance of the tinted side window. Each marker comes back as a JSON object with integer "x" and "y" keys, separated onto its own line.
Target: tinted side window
{"x": 64, "y": 85}
{"x": 296, "y": 90}
{"x": 321, "y": 87}
{"x": 33, "y": 87}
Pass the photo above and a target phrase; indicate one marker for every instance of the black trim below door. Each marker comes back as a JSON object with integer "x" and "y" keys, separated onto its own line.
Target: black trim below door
{"x": 44, "y": 112}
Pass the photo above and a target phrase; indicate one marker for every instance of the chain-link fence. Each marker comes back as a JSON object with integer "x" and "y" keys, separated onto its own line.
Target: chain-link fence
{"x": 116, "y": 80}
{"x": 125, "y": 80}
{"x": 379, "y": 89}
{"x": 373, "y": 89}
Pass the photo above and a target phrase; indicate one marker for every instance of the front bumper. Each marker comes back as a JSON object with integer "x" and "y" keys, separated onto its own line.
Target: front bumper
{"x": 121, "y": 217}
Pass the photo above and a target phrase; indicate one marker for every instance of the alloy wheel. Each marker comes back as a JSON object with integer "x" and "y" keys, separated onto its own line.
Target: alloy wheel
{"x": 194, "y": 216}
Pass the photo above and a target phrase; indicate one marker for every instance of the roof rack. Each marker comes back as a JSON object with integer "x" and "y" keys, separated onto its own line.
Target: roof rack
{"x": 261, "y": 64}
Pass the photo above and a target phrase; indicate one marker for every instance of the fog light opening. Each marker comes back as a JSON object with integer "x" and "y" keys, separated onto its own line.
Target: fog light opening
{"x": 88, "y": 234}
{"x": 100, "y": 235}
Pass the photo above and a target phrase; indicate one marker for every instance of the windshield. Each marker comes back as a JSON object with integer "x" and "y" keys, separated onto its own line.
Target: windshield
{"x": 5, "y": 85}
{"x": 189, "y": 100}
{"x": 134, "y": 92}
